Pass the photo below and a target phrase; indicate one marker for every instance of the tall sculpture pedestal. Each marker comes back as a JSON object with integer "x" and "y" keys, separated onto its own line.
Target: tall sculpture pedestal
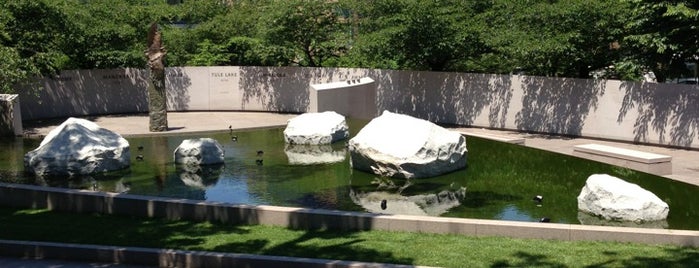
{"x": 10, "y": 115}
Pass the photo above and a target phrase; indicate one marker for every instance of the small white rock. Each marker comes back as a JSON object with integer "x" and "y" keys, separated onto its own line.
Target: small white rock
{"x": 316, "y": 128}
{"x": 615, "y": 199}
{"x": 202, "y": 151}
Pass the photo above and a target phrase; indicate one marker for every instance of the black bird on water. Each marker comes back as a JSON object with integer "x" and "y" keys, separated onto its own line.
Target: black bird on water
{"x": 234, "y": 138}
{"x": 260, "y": 153}
{"x": 139, "y": 157}
{"x": 538, "y": 200}
{"x": 258, "y": 162}
{"x": 140, "y": 148}
{"x": 544, "y": 219}
{"x": 383, "y": 204}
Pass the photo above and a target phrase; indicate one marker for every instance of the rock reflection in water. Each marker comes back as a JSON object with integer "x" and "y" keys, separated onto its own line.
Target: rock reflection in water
{"x": 304, "y": 154}
{"x": 427, "y": 204}
{"x": 200, "y": 176}
{"x": 587, "y": 219}
{"x": 112, "y": 182}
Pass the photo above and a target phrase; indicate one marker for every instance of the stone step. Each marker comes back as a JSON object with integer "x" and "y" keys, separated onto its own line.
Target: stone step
{"x": 513, "y": 140}
{"x": 643, "y": 161}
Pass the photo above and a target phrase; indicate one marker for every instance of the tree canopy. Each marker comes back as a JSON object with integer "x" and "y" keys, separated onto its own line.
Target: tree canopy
{"x": 564, "y": 38}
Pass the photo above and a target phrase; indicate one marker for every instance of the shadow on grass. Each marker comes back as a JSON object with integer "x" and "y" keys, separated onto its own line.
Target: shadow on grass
{"x": 524, "y": 259}
{"x": 324, "y": 244}
{"x": 43, "y": 225}
{"x": 672, "y": 257}
{"x": 48, "y": 226}
{"x": 678, "y": 257}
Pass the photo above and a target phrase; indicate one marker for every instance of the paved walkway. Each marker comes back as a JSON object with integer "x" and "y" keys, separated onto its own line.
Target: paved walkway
{"x": 178, "y": 122}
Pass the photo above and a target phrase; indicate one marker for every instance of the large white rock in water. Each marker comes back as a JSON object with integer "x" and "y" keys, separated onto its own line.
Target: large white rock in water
{"x": 316, "y": 128}
{"x": 78, "y": 147}
{"x": 396, "y": 145}
{"x": 202, "y": 151}
{"x": 615, "y": 199}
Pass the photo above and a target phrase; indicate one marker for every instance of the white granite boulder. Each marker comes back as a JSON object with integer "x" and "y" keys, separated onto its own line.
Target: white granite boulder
{"x": 78, "y": 147}
{"x": 316, "y": 128}
{"x": 396, "y": 145}
{"x": 202, "y": 151}
{"x": 615, "y": 199}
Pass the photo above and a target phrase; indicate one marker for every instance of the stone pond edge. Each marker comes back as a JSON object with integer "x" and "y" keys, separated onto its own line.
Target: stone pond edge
{"x": 84, "y": 201}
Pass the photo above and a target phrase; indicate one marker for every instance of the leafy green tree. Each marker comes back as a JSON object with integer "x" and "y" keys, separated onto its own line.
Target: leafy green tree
{"x": 373, "y": 29}
{"x": 247, "y": 51}
{"x": 417, "y": 35}
{"x": 210, "y": 54}
{"x": 435, "y": 35}
{"x": 112, "y": 33}
{"x": 33, "y": 35}
{"x": 554, "y": 38}
{"x": 568, "y": 38}
{"x": 218, "y": 27}
{"x": 663, "y": 36}
{"x": 311, "y": 28}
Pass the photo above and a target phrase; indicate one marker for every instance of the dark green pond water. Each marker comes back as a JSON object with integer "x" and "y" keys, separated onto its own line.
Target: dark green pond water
{"x": 500, "y": 180}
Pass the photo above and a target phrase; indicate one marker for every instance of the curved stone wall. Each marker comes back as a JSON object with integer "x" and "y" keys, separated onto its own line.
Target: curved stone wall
{"x": 663, "y": 114}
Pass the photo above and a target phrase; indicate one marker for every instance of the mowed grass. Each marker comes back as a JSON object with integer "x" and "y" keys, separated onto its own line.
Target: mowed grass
{"x": 370, "y": 246}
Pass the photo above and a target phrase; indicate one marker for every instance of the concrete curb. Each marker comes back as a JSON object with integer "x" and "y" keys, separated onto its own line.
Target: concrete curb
{"x": 82, "y": 201}
{"x": 165, "y": 257}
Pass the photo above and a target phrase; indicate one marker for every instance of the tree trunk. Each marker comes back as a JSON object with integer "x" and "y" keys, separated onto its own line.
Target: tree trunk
{"x": 157, "y": 99}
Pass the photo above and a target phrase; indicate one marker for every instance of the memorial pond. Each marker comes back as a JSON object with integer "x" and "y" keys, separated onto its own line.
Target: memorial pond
{"x": 499, "y": 182}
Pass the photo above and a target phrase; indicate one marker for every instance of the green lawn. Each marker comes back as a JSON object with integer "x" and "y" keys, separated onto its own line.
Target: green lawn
{"x": 372, "y": 246}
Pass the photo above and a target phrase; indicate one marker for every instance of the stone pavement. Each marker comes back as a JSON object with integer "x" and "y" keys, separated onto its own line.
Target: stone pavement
{"x": 178, "y": 122}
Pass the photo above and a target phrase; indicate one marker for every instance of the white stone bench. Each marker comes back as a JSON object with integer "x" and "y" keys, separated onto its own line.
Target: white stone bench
{"x": 355, "y": 98}
{"x": 512, "y": 140}
{"x": 657, "y": 164}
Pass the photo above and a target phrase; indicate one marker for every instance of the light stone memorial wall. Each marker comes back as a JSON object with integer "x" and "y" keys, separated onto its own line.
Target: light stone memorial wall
{"x": 86, "y": 92}
{"x": 663, "y": 114}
